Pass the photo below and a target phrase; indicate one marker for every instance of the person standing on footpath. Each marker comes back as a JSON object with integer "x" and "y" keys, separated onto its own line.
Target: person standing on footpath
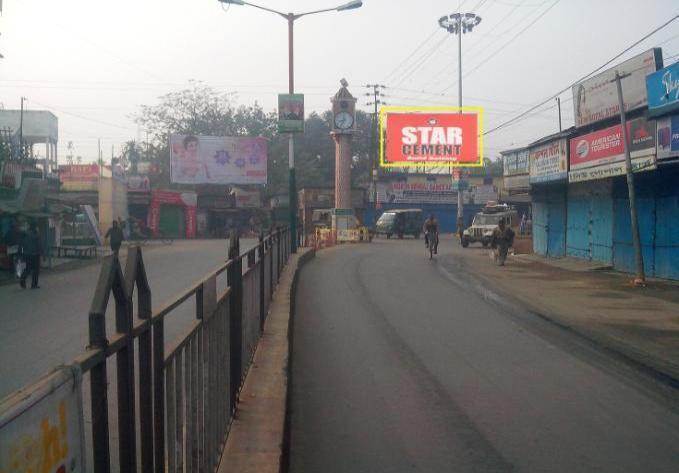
{"x": 115, "y": 235}
{"x": 31, "y": 249}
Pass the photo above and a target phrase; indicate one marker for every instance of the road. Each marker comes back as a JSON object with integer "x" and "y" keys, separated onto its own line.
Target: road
{"x": 399, "y": 364}
{"x": 40, "y": 329}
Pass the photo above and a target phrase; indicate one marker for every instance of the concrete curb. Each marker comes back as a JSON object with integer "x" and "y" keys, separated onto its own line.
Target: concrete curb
{"x": 659, "y": 369}
{"x": 257, "y": 441}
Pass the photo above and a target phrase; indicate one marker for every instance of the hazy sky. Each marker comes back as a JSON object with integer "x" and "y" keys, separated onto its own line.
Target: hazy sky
{"x": 93, "y": 62}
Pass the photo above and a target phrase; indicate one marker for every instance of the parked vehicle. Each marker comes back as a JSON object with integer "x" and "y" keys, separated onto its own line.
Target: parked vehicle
{"x": 400, "y": 222}
{"x": 481, "y": 230}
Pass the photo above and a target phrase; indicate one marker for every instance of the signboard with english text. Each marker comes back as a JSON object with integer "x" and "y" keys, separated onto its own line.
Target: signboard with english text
{"x": 596, "y": 98}
{"x": 601, "y": 153}
{"x": 431, "y": 137}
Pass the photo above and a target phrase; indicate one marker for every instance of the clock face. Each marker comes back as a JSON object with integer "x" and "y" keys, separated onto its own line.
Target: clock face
{"x": 344, "y": 120}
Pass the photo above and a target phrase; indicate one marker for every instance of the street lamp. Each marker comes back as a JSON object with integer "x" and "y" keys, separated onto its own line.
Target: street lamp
{"x": 291, "y": 17}
{"x": 459, "y": 24}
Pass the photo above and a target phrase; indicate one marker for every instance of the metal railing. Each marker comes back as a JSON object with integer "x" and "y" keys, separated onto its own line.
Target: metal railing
{"x": 174, "y": 405}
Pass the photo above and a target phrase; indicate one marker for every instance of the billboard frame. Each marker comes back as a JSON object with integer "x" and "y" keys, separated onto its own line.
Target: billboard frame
{"x": 414, "y": 109}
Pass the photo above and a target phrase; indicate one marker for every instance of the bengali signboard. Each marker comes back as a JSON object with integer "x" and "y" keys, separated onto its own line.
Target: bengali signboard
{"x": 548, "y": 161}
{"x": 42, "y": 430}
{"x": 668, "y": 137}
{"x": 596, "y": 98}
{"x": 290, "y": 113}
{"x": 601, "y": 154}
{"x": 416, "y": 192}
{"x": 217, "y": 159}
{"x": 662, "y": 89}
{"x": 430, "y": 137}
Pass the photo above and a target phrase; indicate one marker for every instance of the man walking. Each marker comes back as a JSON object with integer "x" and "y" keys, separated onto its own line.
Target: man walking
{"x": 503, "y": 238}
{"x": 115, "y": 235}
{"x": 31, "y": 249}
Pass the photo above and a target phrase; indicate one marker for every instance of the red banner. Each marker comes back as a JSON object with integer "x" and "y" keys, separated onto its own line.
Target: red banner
{"x": 187, "y": 200}
{"x": 606, "y": 146}
{"x": 432, "y": 138}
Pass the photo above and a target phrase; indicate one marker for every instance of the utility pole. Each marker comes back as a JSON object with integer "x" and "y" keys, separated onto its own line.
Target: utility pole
{"x": 21, "y": 129}
{"x": 640, "y": 278}
{"x": 375, "y": 94}
{"x": 558, "y": 104}
{"x": 99, "y": 161}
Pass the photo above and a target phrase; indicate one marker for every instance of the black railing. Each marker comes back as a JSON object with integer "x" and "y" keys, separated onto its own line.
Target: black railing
{"x": 174, "y": 405}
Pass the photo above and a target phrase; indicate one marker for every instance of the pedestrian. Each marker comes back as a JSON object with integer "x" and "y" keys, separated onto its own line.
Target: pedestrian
{"x": 460, "y": 226}
{"x": 503, "y": 238}
{"x": 31, "y": 249}
{"x": 522, "y": 225}
{"x": 115, "y": 235}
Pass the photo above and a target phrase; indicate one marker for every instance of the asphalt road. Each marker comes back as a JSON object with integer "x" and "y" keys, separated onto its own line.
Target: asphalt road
{"x": 40, "y": 329}
{"x": 399, "y": 364}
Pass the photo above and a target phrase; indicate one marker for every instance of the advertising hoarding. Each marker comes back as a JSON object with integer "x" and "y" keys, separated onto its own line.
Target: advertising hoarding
{"x": 407, "y": 192}
{"x": 548, "y": 161}
{"x": 596, "y": 98}
{"x": 218, "y": 159}
{"x": 662, "y": 88}
{"x": 601, "y": 154}
{"x": 668, "y": 137}
{"x": 247, "y": 197}
{"x": 290, "y": 113}
{"x": 431, "y": 136}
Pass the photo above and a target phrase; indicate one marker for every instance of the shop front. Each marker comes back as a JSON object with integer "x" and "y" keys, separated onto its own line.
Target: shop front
{"x": 172, "y": 214}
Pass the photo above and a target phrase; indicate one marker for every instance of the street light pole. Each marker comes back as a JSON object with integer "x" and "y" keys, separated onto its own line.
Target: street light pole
{"x": 459, "y": 23}
{"x": 291, "y": 17}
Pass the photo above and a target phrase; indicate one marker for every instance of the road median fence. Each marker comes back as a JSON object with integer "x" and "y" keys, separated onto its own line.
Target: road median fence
{"x": 153, "y": 407}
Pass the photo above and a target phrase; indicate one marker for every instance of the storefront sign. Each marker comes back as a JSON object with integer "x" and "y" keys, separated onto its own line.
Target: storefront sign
{"x": 515, "y": 163}
{"x": 290, "y": 113}
{"x": 79, "y": 177}
{"x": 668, "y": 137}
{"x": 605, "y": 146}
{"x": 644, "y": 163}
{"x": 218, "y": 159}
{"x": 662, "y": 88}
{"x": 430, "y": 137}
{"x": 42, "y": 430}
{"x": 596, "y": 98}
{"x": 601, "y": 153}
{"x": 549, "y": 161}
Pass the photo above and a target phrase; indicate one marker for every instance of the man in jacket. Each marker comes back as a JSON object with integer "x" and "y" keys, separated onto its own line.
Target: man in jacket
{"x": 31, "y": 249}
{"x": 115, "y": 235}
{"x": 503, "y": 238}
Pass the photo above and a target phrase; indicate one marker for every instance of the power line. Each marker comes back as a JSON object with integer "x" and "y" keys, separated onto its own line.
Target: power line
{"x": 511, "y": 40}
{"x": 81, "y": 116}
{"x": 417, "y": 48}
{"x": 551, "y": 97}
{"x": 422, "y": 60}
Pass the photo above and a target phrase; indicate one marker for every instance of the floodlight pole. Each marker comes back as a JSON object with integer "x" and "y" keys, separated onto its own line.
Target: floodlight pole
{"x": 636, "y": 239}
{"x": 463, "y": 23}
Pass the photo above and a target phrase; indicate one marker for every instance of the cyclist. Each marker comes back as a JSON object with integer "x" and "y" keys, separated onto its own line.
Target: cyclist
{"x": 431, "y": 232}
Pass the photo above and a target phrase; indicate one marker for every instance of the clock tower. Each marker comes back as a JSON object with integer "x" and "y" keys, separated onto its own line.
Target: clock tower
{"x": 343, "y": 127}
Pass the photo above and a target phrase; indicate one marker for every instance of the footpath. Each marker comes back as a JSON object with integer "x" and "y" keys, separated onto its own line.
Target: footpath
{"x": 639, "y": 324}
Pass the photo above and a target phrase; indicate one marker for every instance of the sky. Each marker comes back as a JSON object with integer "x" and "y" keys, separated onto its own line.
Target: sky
{"x": 94, "y": 63}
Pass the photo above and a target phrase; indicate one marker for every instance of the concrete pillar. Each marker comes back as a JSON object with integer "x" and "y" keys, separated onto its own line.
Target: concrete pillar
{"x": 342, "y": 171}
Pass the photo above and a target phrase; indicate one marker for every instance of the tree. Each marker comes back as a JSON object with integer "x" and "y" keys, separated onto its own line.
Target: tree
{"x": 132, "y": 153}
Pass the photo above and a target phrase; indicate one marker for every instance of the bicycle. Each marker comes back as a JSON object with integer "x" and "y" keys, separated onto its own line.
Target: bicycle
{"x": 433, "y": 248}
